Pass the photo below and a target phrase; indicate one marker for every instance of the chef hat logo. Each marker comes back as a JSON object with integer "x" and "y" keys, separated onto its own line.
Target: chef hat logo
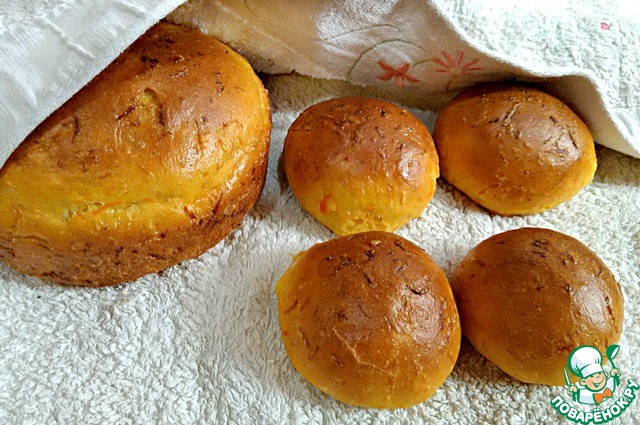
{"x": 585, "y": 361}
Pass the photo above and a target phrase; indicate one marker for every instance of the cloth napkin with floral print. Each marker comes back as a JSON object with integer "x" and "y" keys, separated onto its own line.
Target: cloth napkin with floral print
{"x": 585, "y": 52}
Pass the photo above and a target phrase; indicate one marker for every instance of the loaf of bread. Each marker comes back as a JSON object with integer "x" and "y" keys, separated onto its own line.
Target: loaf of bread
{"x": 360, "y": 164}
{"x": 369, "y": 319}
{"x": 152, "y": 163}
{"x": 528, "y": 297}
{"x": 513, "y": 149}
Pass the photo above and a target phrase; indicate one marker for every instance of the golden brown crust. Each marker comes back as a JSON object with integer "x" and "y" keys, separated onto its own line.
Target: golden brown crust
{"x": 359, "y": 164}
{"x": 528, "y": 297}
{"x": 153, "y": 162}
{"x": 369, "y": 319}
{"x": 514, "y": 149}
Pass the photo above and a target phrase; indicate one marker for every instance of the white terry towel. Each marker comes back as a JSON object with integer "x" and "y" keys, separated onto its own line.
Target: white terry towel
{"x": 200, "y": 343}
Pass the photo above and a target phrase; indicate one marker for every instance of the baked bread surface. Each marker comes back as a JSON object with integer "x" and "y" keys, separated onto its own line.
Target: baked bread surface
{"x": 513, "y": 149}
{"x": 360, "y": 164}
{"x": 528, "y": 297}
{"x": 369, "y": 319}
{"x": 152, "y": 163}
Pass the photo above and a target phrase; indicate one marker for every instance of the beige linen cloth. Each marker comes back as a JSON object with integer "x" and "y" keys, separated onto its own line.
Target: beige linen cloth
{"x": 199, "y": 342}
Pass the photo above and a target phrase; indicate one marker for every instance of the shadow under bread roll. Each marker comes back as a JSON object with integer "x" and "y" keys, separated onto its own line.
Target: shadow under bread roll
{"x": 153, "y": 162}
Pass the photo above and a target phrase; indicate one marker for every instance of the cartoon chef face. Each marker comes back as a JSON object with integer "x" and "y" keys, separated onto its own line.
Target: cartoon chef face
{"x": 595, "y": 382}
{"x": 586, "y": 362}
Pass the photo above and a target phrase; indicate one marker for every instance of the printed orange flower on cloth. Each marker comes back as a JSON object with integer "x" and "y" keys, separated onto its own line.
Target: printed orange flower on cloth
{"x": 399, "y": 74}
{"x": 456, "y": 66}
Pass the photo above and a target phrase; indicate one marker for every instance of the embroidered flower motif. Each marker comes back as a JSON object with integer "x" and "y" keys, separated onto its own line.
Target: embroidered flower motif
{"x": 399, "y": 74}
{"x": 455, "y": 66}
{"x": 604, "y": 26}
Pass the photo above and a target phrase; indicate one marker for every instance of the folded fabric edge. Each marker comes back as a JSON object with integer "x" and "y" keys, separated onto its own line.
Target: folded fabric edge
{"x": 34, "y": 105}
{"x": 568, "y": 84}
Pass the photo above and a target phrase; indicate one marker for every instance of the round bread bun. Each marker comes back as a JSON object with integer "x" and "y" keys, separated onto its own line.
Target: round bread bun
{"x": 359, "y": 164}
{"x": 152, "y": 163}
{"x": 514, "y": 149}
{"x": 370, "y": 320}
{"x": 529, "y": 297}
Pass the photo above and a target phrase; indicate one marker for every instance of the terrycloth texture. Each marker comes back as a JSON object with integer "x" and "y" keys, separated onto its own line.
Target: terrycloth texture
{"x": 200, "y": 342}
{"x": 586, "y": 52}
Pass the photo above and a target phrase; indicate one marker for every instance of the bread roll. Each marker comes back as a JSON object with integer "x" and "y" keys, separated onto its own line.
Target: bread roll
{"x": 528, "y": 297}
{"x": 514, "y": 149}
{"x": 152, "y": 163}
{"x": 360, "y": 164}
{"x": 370, "y": 320}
